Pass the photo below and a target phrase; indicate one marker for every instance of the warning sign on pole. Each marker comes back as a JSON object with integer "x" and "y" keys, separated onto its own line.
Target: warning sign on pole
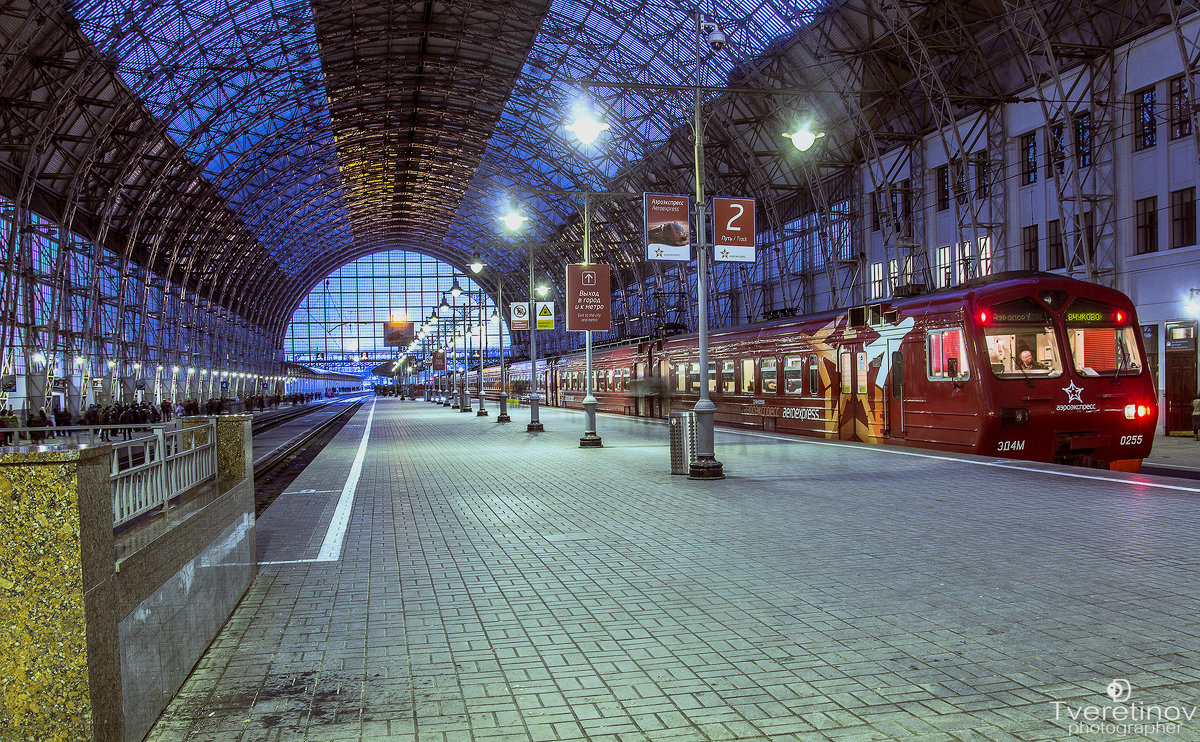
{"x": 439, "y": 361}
{"x": 545, "y": 315}
{"x": 733, "y": 230}
{"x": 520, "y": 316}
{"x": 589, "y": 298}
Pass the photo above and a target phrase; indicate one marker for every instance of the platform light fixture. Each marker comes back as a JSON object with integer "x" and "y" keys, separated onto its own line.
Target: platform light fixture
{"x": 1193, "y": 303}
{"x": 586, "y": 127}
{"x": 513, "y": 221}
{"x": 803, "y": 138}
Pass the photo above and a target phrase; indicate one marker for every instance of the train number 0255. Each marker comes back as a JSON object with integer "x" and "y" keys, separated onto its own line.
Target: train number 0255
{"x": 1131, "y": 440}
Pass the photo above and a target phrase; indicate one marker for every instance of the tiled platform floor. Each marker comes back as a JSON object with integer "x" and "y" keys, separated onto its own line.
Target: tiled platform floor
{"x": 501, "y": 585}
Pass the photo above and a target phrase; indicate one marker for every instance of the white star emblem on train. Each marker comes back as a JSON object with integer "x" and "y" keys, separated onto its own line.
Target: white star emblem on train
{"x": 1073, "y": 392}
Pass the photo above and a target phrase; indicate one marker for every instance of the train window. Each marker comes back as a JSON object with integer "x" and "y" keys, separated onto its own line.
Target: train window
{"x": 793, "y": 374}
{"x": 611, "y": 379}
{"x": 1102, "y": 340}
{"x": 728, "y": 382}
{"x": 681, "y": 377}
{"x": 770, "y": 377}
{"x": 747, "y": 386}
{"x": 625, "y": 380}
{"x": 946, "y": 355}
{"x": 1022, "y": 352}
{"x": 712, "y": 377}
{"x": 694, "y": 377}
{"x": 845, "y": 370}
{"x": 814, "y": 374}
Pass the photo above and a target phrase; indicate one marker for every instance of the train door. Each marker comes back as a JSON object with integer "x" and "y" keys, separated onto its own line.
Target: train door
{"x": 893, "y": 424}
{"x": 641, "y": 389}
{"x": 1180, "y": 381}
{"x": 852, "y": 392}
{"x": 662, "y": 383}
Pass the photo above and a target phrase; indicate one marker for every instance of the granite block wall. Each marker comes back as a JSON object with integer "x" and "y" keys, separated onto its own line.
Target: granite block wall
{"x": 59, "y": 667}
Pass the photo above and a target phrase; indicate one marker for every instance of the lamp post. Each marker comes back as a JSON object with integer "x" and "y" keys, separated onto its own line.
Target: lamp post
{"x": 513, "y": 222}
{"x": 589, "y": 439}
{"x": 448, "y": 371}
{"x": 706, "y": 465}
{"x": 476, "y": 265}
{"x": 535, "y": 424}
{"x": 503, "y": 416}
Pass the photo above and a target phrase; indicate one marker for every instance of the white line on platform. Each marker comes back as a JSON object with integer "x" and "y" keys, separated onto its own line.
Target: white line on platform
{"x": 335, "y": 536}
{"x": 308, "y": 492}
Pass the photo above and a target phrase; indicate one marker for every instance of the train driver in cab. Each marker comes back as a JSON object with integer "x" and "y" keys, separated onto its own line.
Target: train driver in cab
{"x": 1027, "y": 362}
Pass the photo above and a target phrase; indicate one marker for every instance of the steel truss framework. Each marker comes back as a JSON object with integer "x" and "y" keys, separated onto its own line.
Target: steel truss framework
{"x": 179, "y": 175}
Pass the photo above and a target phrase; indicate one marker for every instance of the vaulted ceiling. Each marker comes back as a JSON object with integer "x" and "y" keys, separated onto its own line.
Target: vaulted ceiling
{"x": 247, "y": 148}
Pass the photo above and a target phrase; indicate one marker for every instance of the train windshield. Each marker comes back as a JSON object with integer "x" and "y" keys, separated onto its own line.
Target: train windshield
{"x": 1023, "y": 352}
{"x": 1102, "y": 340}
{"x": 1021, "y": 341}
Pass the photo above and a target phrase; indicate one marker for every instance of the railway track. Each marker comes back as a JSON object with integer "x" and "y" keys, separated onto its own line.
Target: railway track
{"x": 272, "y": 459}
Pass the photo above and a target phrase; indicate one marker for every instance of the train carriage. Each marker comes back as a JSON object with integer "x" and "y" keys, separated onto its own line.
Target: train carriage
{"x": 1030, "y": 366}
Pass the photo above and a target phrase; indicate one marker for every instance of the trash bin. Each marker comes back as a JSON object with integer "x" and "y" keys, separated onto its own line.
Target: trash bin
{"x": 683, "y": 441}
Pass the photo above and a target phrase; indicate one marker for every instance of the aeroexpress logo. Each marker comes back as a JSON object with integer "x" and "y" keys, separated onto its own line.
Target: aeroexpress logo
{"x": 1074, "y": 400}
{"x": 1124, "y": 716}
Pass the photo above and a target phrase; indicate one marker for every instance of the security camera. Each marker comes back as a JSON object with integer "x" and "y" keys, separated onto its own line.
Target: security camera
{"x": 716, "y": 39}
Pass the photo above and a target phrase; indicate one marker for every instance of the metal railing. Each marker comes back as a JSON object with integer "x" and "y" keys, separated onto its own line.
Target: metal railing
{"x": 151, "y": 463}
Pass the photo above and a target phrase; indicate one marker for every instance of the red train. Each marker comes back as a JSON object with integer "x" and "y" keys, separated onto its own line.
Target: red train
{"x": 941, "y": 370}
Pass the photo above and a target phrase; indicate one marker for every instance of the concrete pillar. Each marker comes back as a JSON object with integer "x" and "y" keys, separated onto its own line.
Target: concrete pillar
{"x": 235, "y": 444}
{"x": 60, "y": 675}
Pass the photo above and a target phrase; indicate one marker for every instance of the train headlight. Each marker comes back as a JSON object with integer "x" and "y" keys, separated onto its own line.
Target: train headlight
{"x": 1014, "y": 416}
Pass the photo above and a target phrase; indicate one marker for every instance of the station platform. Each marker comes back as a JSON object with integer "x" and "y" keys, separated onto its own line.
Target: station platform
{"x": 439, "y": 576}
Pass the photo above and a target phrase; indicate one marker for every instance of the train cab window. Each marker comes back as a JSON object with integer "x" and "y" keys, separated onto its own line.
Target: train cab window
{"x": 747, "y": 386}
{"x": 694, "y": 377}
{"x": 1020, "y": 340}
{"x": 1023, "y": 352}
{"x": 728, "y": 381}
{"x": 814, "y": 374}
{"x": 770, "y": 378}
{"x": 793, "y": 374}
{"x": 1102, "y": 340}
{"x": 947, "y": 359}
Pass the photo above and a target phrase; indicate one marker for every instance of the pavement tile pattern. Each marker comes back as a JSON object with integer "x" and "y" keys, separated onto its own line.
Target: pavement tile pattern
{"x": 502, "y": 585}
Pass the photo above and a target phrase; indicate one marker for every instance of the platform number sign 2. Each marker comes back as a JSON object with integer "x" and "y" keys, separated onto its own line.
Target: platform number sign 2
{"x": 733, "y": 230}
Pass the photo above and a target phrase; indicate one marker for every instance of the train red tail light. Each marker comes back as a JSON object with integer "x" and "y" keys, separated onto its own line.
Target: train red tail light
{"x": 1138, "y": 411}
{"x": 984, "y": 317}
{"x": 1119, "y": 316}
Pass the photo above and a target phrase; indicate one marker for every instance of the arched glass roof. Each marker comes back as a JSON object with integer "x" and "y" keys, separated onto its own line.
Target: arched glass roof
{"x": 327, "y": 144}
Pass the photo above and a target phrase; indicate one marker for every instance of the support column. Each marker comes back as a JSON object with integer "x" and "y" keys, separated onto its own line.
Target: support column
{"x": 60, "y": 675}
